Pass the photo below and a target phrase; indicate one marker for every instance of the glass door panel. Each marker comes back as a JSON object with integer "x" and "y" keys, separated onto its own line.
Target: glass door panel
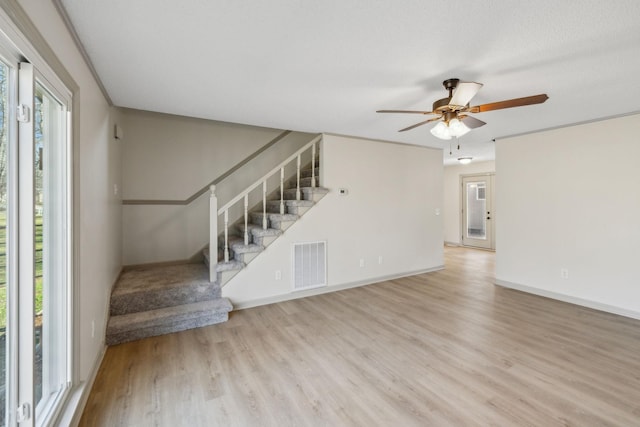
{"x": 477, "y": 217}
{"x": 4, "y": 141}
{"x": 50, "y": 281}
{"x": 476, "y": 206}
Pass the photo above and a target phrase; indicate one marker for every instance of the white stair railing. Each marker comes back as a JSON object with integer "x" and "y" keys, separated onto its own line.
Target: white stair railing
{"x": 215, "y": 212}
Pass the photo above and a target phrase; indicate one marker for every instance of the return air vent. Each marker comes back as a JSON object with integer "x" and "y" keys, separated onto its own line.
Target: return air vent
{"x": 309, "y": 265}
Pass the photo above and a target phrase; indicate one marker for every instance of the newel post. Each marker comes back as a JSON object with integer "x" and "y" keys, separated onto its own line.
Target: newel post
{"x": 213, "y": 233}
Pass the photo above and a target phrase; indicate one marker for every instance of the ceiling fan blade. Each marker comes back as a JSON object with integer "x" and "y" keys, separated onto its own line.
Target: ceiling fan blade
{"x": 405, "y": 111}
{"x": 420, "y": 124}
{"x": 472, "y": 122}
{"x": 463, "y": 93}
{"x": 517, "y": 102}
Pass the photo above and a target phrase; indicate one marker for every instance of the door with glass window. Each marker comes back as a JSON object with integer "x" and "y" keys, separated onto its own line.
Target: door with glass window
{"x": 478, "y": 216}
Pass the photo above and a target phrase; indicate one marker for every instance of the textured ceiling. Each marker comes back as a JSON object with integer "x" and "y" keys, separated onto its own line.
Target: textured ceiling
{"x": 326, "y": 66}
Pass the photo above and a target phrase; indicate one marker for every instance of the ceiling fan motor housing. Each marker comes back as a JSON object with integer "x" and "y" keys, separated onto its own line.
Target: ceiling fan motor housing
{"x": 442, "y": 105}
{"x": 450, "y": 84}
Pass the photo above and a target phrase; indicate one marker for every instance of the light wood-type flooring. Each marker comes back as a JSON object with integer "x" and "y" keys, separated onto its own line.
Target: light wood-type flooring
{"x": 447, "y": 348}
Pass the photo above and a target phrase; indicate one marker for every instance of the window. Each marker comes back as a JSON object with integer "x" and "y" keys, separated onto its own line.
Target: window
{"x": 480, "y": 192}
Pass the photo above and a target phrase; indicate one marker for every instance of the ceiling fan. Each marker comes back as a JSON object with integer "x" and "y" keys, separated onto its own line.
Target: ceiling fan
{"x": 453, "y": 112}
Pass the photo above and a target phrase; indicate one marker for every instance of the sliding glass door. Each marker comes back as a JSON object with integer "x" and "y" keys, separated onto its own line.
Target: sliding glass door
{"x": 35, "y": 244}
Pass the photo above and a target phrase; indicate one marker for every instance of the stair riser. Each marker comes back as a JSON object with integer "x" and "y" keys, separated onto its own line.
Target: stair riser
{"x": 144, "y": 301}
{"x": 306, "y": 173}
{"x": 257, "y": 218}
{"x": 274, "y": 207}
{"x": 298, "y": 210}
{"x": 264, "y": 240}
{"x": 204, "y": 319}
{"x": 281, "y": 225}
{"x": 304, "y": 182}
{"x": 290, "y": 194}
{"x": 258, "y": 234}
{"x": 246, "y": 257}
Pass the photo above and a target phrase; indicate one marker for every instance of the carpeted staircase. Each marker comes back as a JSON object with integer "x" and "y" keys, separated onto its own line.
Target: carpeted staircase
{"x": 154, "y": 301}
{"x": 259, "y": 238}
{"x": 147, "y": 302}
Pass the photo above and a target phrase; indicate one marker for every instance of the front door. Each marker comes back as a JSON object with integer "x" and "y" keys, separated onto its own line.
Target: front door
{"x": 477, "y": 214}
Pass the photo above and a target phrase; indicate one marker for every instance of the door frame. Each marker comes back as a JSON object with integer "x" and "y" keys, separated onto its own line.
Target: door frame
{"x": 490, "y": 178}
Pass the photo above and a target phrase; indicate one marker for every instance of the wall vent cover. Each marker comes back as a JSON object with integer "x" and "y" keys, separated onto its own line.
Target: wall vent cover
{"x": 309, "y": 265}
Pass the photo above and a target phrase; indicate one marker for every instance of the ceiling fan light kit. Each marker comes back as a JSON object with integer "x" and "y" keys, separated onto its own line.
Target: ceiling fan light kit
{"x": 454, "y": 127}
{"x": 453, "y": 112}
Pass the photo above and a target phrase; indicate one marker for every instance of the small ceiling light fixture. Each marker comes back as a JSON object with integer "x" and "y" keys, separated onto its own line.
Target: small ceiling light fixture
{"x": 465, "y": 160}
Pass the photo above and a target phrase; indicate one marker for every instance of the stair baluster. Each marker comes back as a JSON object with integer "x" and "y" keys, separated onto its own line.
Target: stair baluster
{"x": 221, "y": 272}
{"x": 298, "y": 179}
{"x": 226, "y": 235}
{"x": 313, "y": 165}
{"x": 264, "y": 204}
{"x": 213, "y": 233}
{"x": 246, "y": 219}
{"x": 282, "y": 191}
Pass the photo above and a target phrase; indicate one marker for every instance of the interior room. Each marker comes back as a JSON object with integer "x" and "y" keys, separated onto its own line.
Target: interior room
{"x": 334, "y": 213}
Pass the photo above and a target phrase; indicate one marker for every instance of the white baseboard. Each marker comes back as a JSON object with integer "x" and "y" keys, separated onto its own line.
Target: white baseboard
{"x": 454, "y": 244}
{"x": 570, "y": 299}
{"x": 72, "y": 413}
{"x": 326, "y": 289}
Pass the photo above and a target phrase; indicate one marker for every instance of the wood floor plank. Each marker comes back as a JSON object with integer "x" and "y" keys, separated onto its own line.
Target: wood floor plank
{"x": 446, "y": 348}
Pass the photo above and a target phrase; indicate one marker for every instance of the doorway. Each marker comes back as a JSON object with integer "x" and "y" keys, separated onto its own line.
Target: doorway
{"x": 478, "y": 215}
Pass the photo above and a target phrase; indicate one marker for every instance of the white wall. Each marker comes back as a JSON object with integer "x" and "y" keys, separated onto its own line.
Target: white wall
{"x": 394, "y": 191}
{"x": 99, "y": 169}
{"x": 451, "y": 208}
{"x": 569, "y": 199}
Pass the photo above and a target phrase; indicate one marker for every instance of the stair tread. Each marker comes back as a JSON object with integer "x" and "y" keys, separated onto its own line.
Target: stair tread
{"x": 159, "y": 278}
{"x": 303, "y": 203}
{"x": 307, "y": 190}
{"x": 257, "y": 230}
{"x": 277, "y": 216}
{"x": 230, "y": 265}
{"x": 240, "y": 248}
{"x": 146, "y": 319}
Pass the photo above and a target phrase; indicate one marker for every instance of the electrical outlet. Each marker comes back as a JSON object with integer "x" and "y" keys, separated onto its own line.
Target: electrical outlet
{"x": 564, "y": 273}
{"x": 278, "y": 275}
{"x": 115, "y": 189}
{"x": 93, "y": 329}
{"x": 361, "y": 262}
{"x": 380, "y": 259}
